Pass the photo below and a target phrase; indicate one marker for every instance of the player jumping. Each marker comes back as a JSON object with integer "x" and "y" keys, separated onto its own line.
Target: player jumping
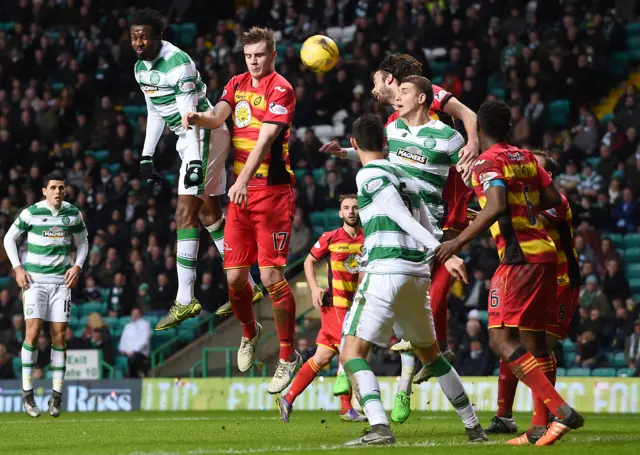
{"x": 512, "y": 188}
{"x": 46, "y": 280}
{"x": 395, "y": 286}
{"x": 261, "y": 103}
{"x": 342, "y": 248}
{"x": 557, "y": 223}
{"x": 172, "y": 87}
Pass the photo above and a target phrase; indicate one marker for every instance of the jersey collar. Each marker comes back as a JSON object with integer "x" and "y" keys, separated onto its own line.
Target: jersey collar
{"x": 501, "y": 147}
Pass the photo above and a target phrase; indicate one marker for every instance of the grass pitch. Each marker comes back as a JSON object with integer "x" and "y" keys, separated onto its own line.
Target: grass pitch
{"x": 217, "y": 433}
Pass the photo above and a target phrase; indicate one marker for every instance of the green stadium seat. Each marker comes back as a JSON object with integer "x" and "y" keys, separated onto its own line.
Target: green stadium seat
{"x": 16, "y": 363}
{"x": 619, "y": 360}
{"x": 604, "y": 372}
{"x": 153, "y": 320}
{"x": 496, "y": 372}
{"x": 484, "y": 317}
{"x": 634, "y": 55}
{"x": 102, "y": 155}
{"x": 78, "y": 331}
{"x": 171, "y": 178}
{"x": 632, "y": 240}
{"x": 111, "y": 322}
{"x": 130, "y": 110}
{"x": 625, "y": 372}
{"x": 606, "y": 117}
{"x": 83, "y": 321}
{"x": 559, "y": 113}
{"x": 57, "y": 86}
{"x": 561, "y": 371}
{"x": 437, "y": 80}
{"x": 6, "y": 26}
{"x": 186, "y": 334}
{"x": 632, "y": 254}
{"x": 114, "y": 168}
{"x": 318, "y": 174}
{"x": 104, "y": 294}
{"x": 634, "y": 284}
{"x": 633, "y": 29}
{"x": 91, "y": 307}
{"x": 332, "y": 219}
{"x": 633, "y": 42}
{"x": 618, "y": 64}
{"x": 317, "y": 219}
{"x": 317, "y": 231}
{"x": 122, "y": 363}
{"x": 76, "y": 310}
{"x": 569, "y": 359}
{"x": 438, "y": 68}
{"x": 300, "y": 173}
{"x": 633, "y": 269}
{"x": 617, "y": 239}
{"x": 579, "y": 372}
{"x": 498, "y": 92}
{"x": 4, "y": 281}
{"x": 162, "y": 337}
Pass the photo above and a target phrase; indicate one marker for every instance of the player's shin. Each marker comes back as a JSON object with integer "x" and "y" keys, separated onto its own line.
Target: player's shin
{"x": 58, "y": 366}
{"x": 240, "y": 299}
{"x": 305, "y": 376}
{"x": 408, "y": 370}
{"x": 284, "y": 310}
{"x": 540, "y": 415}
{"x": 29, "y": 356}
{"x": 507, "y": 386}
{"x": 367, "y": 390}
{"x": 186, "y": 261}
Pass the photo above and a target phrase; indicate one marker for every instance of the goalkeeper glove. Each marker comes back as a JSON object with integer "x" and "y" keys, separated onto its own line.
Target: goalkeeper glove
{"x": 148, "y": 173}
{"x": 193, "y": 175}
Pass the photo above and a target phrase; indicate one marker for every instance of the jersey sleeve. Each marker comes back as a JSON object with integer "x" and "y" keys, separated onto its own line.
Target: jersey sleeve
{"x": 440, "y": 98}
{"x": 321, "y": 248}
{"x": 560, "y": 213}
{"x": 184, "y": 82}
{"x": 371, "y": 182}
{"x": 281, "y": 103}
{"x": 455, "y": 145}
{"x": 23, "y": 221}
{"x": 487, "y": 172}
{"x": 229, "y": 92}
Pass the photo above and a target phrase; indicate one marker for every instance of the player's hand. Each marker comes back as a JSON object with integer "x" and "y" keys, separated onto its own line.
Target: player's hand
{"x": 446, "y": 250}
{"x": 469, "y": 153}
{"x": 316, "y": 297}
{"x": 238, "y": 193}
{"x": 333, "y": 148}
{"x": 455, "y": 266}
{"x": 72, "y": 276}
{"x": 149, "y": 174}
{"x": 23, "y": 278}
{"x": 190, "y": 118}
{"x": 466, "y": 170}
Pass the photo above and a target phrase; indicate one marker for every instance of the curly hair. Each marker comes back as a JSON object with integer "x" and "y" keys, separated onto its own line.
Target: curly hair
{"x": 400, "y": 66}
{"x": 494, "y": 119}
{"x": 150, "y": 17}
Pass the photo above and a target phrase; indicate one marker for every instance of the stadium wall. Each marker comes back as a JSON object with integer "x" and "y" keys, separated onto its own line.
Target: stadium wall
{"x": 599, "y": 395}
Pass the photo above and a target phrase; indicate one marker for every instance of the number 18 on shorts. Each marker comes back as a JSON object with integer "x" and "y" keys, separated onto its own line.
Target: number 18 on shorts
{"x": 50, "y": 302}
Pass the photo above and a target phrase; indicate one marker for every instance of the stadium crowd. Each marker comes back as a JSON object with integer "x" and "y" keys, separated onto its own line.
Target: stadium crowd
{"x": 69, "y": 101}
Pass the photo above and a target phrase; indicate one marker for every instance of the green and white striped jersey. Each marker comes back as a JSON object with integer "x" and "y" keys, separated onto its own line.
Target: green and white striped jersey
{"x": 172, "y": 86}
{"x": 426, "y": 152}
{"x": 49, "y": 239}
{"x": 387, "y": 248}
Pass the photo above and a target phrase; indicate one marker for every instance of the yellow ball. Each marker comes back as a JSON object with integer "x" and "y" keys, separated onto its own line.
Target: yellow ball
{"x": 319, "y": 53}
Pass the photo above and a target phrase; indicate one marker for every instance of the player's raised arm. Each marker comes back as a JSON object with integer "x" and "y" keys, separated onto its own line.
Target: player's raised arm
{"x": 20, "y": 226}
{"x": 469, "y": 119}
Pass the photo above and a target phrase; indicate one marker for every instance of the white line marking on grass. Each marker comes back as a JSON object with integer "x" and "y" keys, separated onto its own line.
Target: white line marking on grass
{"x": 137, "y": 419}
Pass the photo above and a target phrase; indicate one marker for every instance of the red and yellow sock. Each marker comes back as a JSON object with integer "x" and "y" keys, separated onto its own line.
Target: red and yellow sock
{"x": 241, "y": 303}
{"x": 540, "y": 415}
{"x": 345, "y": 402}
{"x": 507, "y": 386}
{"x": 305, "y": 376}
{"x": 284, "y": 310}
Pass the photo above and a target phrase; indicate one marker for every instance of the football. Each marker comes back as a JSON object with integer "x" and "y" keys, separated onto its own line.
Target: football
{"x": 319, "y": 53}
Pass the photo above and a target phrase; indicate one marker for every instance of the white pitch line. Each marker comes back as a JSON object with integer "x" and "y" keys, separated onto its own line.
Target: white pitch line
{"x": 137, "y": 419}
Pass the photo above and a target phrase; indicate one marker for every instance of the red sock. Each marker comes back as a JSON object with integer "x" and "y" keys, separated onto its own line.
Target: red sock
{"x": 507, "y": 385}
{"x": 540, "y": 415}
{"x": 345, "y": 402}
{"x": 241, "y": 302}
{"x": 284, "y": 311}
{"x": 305, "y": 376}
{"x": 438, "y": 293}
{"x": 526, "y": 369}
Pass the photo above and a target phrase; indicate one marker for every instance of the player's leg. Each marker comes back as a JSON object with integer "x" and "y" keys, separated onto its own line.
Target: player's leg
{"x": 415, "y": 320}
{"x": 305, "y": 376}
{"x": 402, "y": 400}
{"x": 370, "y": 322}
{"x": 341, "y": 386}
{"x": 35, "y": 301}
{"x": 185, "y": 306}
{"x": 58, "y": 314}
{"x": 213, "y": 220}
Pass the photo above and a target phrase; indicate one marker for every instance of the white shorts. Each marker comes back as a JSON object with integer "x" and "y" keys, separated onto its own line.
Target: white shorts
{"x": 388, "y": 302}
{"x": 214, "y": 148}
{"x": 50, "y": 302}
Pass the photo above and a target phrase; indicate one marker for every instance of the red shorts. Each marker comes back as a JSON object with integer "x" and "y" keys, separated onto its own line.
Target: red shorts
{"x": 260, "y": 231}
{"x": 456, "y": 195}
{"x": 331, "y": 318}
{"x": 522, "y": 296}
{"x": 567, "y": 300}
{"x": 438, "y": 295}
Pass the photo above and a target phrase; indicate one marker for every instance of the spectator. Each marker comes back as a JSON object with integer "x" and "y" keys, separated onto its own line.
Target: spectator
{"x": 7, "y": 309}
{"x": 592, "y": 297}
{"x": 520, "y": 128}
{"x": 569, "y": 180}
{"x": 305, "y": 351}
{"x": 632, "y": 348}
{"x": 162, "y": 295}
{"x": 14, "y": 337}
{"x": 608, "y": 253}
{"x": 90, "y": 292}
{"x": 6, "y": 366}
{"x": 622, "y": 330}
{"x": 300, "y": 237}
{"x": 121, "y": 296}
{"x": 584, "y": 251}
{"x": 100, "y": 340}
{"x": 312, "y": 195}
{"x": 590, "y": 182}
{"x": 590, "y": 354}
{"x": 135, "y": 344}
{"x": 477, "y": 361}
{"x": 626, "y": 213}
{"x": 477, "y": 292}
{"x": 615, "y": 284}
{"x": 74, "y": 342}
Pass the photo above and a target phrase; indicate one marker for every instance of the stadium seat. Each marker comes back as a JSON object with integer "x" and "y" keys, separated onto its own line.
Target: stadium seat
{"x": 16, "y": 363}
{"x": 104, "y": 294}
{"x": 633, "y": 42}
{"x": 317, "y": 219}
{"x": 111, "y": 322}
{"x": 633, "y": 269}
{"x": 632, "y": 254}
{"x": 122, "y": 363}
{"x": 317, "y": 231}
{"x": 76, "y": 310}
{"x": 437, "y": 68}
{"x": 83, "y": 321}
{"x": 437, "y": 80}
{"x": 632, "y": 240}
{"x": 171, "y": 178}
{"x": 579, "y": 372}
{"x": 569, "y": 359}
{"x": 483, "y": 316}
{"x": 153, "y": 320}
{"x": 619, "y": 360}
{"x": 633, "y": 29}
{"x": 496, "y": 372}
{"x": 558, "y": 113}
{"x": 91, "y": 307}
{"x": 332, "y": 219}
{"x": 618, "y": 64}
{"x": 497, "y": 92}
{"x": 114, "y": 168}
{"x": 634, "y": 284}
{"x": 604, "y": 372}
{"x": 625, "y": 372}
{"x": 318, "y": 174}
{"x": 186, "y": 334}
{"x": 634, "y": 55}
{"x": 561, "y": 371}
{"x": 102, "y": 155}
{"x": 3, "y": 282}
{"x": 300, "y": 173}
{"x": 568, "y": 345}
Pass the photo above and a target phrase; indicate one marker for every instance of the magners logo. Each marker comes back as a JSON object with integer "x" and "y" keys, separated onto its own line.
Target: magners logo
{"x": 55, "y": 232}
{"x": 412, "y": 156}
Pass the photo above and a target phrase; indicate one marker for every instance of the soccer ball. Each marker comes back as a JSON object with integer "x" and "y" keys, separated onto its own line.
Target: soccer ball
{"x": 319, "y": 53}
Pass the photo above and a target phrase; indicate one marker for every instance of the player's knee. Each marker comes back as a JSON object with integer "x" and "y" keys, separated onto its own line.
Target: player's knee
{"x": 32, "y": 331}
{"x": 187, "y": 212}
{"x": 237, "y": 278}
{"x": 270, "y": 276}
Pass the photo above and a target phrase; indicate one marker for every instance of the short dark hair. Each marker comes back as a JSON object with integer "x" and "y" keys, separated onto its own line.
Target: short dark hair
{"x": 256, "y": 34}
{"x": 400, "y": 66}
{"x": 368, "y": 132}
{"x": 346, "y": 196}
{"x": 550, "y": 165}
{"x": 52, "y": 176}
{"x": 494, "y": 119}
{"x": 150, "y": 17}
{"x": 423, "y": 85}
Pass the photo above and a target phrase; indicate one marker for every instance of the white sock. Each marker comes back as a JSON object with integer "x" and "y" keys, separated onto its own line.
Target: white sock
{"x": 408, "y": 372}
{"x": 29, "y": 356}
{"x": 58, "y": 362}
{"x": 186, "y": 261}
{"x": 340, "y": 367}
{"x": 216, "y": 231}
{"x": 367, "y": 390}
{"x": 452, "y": 387}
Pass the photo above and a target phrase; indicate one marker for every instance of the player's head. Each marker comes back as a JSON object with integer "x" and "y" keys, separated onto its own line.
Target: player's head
{"x": 545, "y": 161}
{"x": 393, "y": 69}
{"x": 494, "y": 123}
{"x": 54, "y": 188}
{"x": 414, "y": 94}
{"x": 147, "y": 26}
{"x": 368, "y": 134}
{"x": 259, "y": 51}
{"x": 349, "y": 209}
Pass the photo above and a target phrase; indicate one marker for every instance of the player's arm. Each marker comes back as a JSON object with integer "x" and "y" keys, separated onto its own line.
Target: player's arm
{"x": 549, "y": 195}
{"x": 320, "y": 250}
{"x": 79, "y": 232}
{"x": 10, "y": 242}
{"x": 155, "y": 128}
{"x": 213, "y": 119}
{"x": 458, "y": 110}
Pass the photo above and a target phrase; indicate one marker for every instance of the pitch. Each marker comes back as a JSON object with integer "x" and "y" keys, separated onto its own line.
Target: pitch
{"x": 218, "y": 433}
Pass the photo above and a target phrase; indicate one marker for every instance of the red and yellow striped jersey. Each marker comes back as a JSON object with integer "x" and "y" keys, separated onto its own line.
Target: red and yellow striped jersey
{"x": 344, "y": 264}
{"x": 558, "y": 224}
{"x": 518, "y": 232}
{"x": 272, "y": 101}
